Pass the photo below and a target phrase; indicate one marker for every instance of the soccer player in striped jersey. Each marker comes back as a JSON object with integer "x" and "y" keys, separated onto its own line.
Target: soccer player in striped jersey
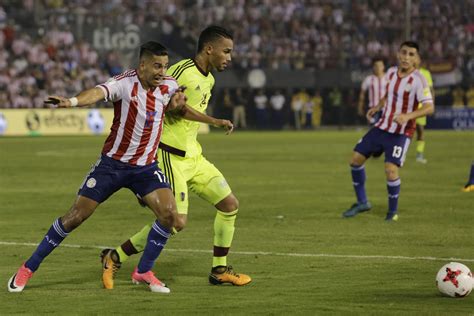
{"x": 421, "y": 121}
{"x": 375, "y": 85}
{"x": 391, "y": 134}
{"x": 180, "y": 156}
{"x": 128, "y": 160}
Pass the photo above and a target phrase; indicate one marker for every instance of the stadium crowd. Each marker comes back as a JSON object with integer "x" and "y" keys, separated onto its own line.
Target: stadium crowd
{"x": 296, "y": 34}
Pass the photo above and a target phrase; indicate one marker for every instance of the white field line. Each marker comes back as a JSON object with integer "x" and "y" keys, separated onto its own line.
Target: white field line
{"x": 264, "y": 253}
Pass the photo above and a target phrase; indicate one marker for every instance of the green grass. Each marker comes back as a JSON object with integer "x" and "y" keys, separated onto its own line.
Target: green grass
{"x": 292, "y": 189}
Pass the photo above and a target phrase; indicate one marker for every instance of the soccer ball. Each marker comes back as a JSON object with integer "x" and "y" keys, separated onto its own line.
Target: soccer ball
{"x": 455, "y": 279}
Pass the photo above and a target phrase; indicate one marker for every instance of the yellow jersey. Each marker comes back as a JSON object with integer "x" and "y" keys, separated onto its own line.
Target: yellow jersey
{"x": 179, "y": 133}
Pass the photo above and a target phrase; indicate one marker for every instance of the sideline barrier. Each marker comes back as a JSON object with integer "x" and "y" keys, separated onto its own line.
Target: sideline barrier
{"x": 451, "y": 118}
{"x": 39, "y": 122}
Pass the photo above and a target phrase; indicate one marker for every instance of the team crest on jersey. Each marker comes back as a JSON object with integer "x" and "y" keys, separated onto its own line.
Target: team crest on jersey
{"x": 150, "y": 118}
{"x": 408, "y": 87}
{"x": 166, "y": 98}
{"x": 91, "y": 183}
{"x": 134, "y": 98}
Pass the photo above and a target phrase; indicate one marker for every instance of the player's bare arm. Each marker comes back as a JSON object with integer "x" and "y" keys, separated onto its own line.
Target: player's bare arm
{"x": 192, "y": 115}
{"x": 360, "y": 106}
{"x": 427, "y": 109}
{"x": 371, "y": 112}
{"x": 84, "y": 98}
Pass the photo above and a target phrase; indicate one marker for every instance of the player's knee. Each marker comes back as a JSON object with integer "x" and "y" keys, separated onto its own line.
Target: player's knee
{"x": 357, "y": 159}
{"x": 229, "y": 204}
{"x": 391, "y": 172}
{"x": 179, "y": 223}
{"x": 166, "y": 214}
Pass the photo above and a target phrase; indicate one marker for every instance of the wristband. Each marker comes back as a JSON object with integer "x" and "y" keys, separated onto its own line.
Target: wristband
{"x": 73, "y": 101}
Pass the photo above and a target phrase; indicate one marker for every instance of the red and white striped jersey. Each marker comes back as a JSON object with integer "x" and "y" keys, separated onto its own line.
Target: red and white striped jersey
{"x": 376, "y": 87}
{"x": 403, "y": 96}
{"x": 138, "y": 117}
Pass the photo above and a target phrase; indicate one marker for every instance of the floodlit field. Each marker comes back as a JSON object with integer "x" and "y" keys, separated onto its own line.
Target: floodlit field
{"x": 290, "y": 237}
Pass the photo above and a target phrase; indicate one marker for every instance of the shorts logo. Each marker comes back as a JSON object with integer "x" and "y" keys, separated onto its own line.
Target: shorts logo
{"x": 91, "y": 183}
{"x": 183, "y": 196}
{"x": 223, "y": 183}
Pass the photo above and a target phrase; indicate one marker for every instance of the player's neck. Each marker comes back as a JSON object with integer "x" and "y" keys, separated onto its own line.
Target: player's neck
{"x": 405, "y": 72}
{"x": 202, "y": 64}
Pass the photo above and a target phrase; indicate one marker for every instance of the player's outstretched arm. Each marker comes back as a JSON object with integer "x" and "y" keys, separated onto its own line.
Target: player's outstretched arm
{"x": 84, "y": 98}
{"x": 192, "y": 115}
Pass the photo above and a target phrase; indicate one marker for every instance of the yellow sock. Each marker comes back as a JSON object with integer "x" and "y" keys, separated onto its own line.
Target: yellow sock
{"x": 138, "y": 242}
{"x": 420, "y": 146}
{"x": 224, "y": 226}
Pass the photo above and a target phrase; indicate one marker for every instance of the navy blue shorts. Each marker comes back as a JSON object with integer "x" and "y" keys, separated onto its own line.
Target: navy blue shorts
{"x": 108, "y": 175}
{"x": 377, "y": 141}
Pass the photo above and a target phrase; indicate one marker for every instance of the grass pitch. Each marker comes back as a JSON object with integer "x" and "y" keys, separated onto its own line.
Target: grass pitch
{"x": 290, "y": 237}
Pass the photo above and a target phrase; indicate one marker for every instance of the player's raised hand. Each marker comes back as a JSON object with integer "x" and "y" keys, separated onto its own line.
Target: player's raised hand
{"x": 55, "y": 101}
{"x": 227, "y": 125}
{"x": 178, "y": 99}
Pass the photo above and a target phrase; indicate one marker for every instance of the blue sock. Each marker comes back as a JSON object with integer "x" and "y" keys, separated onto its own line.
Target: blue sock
{"x": 393, "y": 188}
{"x": 156, "y": 241}
{"x": 52, "y": 239}
{"x": 471, "y": 176}
{"x": 358, "y": 180}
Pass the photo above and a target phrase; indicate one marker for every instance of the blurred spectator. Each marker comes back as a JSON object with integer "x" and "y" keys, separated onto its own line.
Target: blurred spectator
{"x": 227, "y": 104}
{"x": 277, "y": 102}
{"x": 470, "y": 96}
{"x": 458, "y": 97}
{"x": 317, "y": 102}
{"x": 298, "y": 103}
{"x": 335, "y": 100}
{"x": 238, "y": 113}
{"x": 260, "y": 100}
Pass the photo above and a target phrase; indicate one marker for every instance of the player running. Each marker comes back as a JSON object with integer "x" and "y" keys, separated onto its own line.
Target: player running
{"x": 180, "y": 156}
{"x": 140, "y": 99}
{"x": 391, "y": 134}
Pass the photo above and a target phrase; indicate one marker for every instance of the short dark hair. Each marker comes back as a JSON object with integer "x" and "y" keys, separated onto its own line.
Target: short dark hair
{"x": 378, "y": 58}
{"x": 153, "y": 48}
{"x": 411, "y": 44}
{"x": 212, "y": 33}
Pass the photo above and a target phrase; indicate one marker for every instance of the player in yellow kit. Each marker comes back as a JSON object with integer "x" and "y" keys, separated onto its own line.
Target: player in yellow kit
{"x": 180, "y": 157}
{"x": 421, "y": 121}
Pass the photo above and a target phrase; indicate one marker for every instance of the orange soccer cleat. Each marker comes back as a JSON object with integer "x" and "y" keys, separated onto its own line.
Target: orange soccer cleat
{"x": 222, "y": 275}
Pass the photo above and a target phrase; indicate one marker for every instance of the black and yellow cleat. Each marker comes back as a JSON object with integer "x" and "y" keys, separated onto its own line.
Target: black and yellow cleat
{"x": 110, "y": 265}
{"x": 223, "y": 275}
{"x": 468, "y": 188}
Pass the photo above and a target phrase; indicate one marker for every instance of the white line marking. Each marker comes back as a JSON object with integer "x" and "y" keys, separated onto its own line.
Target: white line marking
{"x": 262, "y": 253}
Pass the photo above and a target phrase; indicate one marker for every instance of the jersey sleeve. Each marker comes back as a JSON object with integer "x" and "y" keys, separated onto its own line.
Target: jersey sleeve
{"x": 365, "y": 84}
{"x": 113, "y": 89}
{"x": 423, "y": 92}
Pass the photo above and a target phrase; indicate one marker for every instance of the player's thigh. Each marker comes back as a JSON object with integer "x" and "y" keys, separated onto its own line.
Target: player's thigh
{"x": 103, "y": 180}
{"x": 147, "y": 179}
{"x": 209, "y": 183}
{"x": 396, "y": 148}
{"x": 177, "y": 170}
{"x": 369, "y": 145}
{"x": 162, "y": 203}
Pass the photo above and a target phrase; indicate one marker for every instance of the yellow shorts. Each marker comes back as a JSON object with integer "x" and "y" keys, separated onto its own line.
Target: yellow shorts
{"x": 421, "y": 121}
{"x": 197, "y": 174}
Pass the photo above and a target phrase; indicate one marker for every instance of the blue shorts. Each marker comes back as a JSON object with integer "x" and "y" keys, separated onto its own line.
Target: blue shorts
{"x": 108, "y": 175}
{"x": 377, "y": 141}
